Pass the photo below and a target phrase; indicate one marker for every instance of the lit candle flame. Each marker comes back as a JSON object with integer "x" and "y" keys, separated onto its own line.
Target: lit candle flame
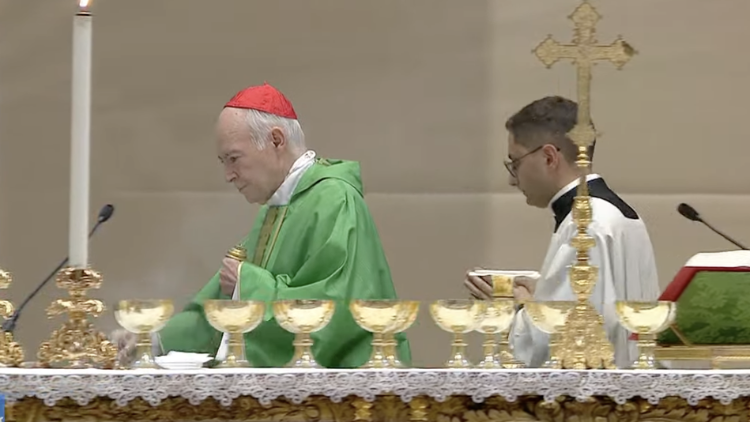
{"x": 83, "y": 4}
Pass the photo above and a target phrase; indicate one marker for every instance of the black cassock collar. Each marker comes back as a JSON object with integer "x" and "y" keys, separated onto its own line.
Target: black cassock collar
{"x": 597, "y": 189}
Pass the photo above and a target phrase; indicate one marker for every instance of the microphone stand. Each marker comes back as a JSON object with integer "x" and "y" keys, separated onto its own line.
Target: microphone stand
{"x": 729, "y": 239}
{"x": 10, "y": 324}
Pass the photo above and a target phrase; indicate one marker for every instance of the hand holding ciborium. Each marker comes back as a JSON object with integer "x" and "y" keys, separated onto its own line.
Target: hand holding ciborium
{"x": 550, "y": 318}
{"x": 142, "y": 318}
{"x": 646, "y": 319}
{"x": 458, "y": 316}
{"x": 384, "y": 319}
{"x": 302, "y": 318}
{"x": 235, "y": 318}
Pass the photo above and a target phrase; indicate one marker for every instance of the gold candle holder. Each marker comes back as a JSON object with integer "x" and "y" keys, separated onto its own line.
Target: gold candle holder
{"x": 77, "y": 344}
{"x": 11, "y": 353}
{"x": 584, "y": 343}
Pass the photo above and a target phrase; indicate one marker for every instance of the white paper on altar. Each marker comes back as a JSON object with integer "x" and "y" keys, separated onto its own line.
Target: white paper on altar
{"x": 728, "y": 259}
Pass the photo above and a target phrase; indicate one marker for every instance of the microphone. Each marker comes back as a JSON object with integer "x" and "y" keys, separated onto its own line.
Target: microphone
{"x": 691, "y": 214}
{"x": 10, "y": 324}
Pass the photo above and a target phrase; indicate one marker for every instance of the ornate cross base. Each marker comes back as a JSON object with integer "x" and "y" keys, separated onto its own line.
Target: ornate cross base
{"x": 385, "y": 409}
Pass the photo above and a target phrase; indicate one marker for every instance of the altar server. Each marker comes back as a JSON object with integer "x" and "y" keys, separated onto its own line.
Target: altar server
{"x": 541, "y": 164}
{"x": 314, "y": 238}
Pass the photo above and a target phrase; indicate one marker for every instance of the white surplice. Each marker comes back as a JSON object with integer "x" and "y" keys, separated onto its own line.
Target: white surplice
{"x": 626, "y": 270}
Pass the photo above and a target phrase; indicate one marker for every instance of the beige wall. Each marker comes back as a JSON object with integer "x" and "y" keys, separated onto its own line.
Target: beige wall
{"x": 416, "y": 90}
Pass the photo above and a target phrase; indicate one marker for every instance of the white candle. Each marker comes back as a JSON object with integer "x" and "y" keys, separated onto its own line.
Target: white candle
{"x": 80, "y": 146}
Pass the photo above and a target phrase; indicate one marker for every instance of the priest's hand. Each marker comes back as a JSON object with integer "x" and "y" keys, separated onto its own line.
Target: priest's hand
{"x": 228, "y": 275}
{"x": 526, "y": 282}
{"x": 523, "y": 289}
{"x": 479, "y": 287}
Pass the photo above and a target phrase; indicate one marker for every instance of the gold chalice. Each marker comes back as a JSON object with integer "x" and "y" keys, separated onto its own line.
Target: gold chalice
{"x": 235, "y": 318}
{"x": 550, "y": 318}
{"x": 303, "y": 317}
{"x": 646, "y": 319}
{"x": 497, "y": 318}
{"x": 410, "y": 309}
{"x": 143, "y": 318}
{"x": 384, "y": 318}
{"x": 458, "y": 316}
{"x": 503, "y": 282}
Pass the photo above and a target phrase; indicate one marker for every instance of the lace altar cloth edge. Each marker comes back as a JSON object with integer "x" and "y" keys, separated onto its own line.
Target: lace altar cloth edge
{"x": 224, "y": 385}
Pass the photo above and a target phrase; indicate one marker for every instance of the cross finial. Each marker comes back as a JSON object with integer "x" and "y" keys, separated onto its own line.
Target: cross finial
{"x": 584, "y": 52}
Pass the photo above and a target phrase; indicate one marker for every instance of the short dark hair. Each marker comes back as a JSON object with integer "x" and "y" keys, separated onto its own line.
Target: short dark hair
{"x": 547, "y": 120}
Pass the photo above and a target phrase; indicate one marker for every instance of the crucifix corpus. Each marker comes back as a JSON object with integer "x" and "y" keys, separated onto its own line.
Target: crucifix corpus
{"x": 583, "y": 343}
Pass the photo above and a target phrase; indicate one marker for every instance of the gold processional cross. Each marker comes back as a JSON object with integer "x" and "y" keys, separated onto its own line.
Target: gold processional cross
{"x": 583, "y": 343}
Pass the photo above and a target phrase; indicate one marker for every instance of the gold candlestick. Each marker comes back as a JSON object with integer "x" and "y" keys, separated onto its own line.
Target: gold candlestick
{"x": 77, "y": 344}
{"x": 584, "y": 343}
{"x": 11, "y": 353}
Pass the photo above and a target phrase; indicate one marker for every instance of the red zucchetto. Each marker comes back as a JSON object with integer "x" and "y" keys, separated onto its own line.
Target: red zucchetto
{"x": 263, "y": 98}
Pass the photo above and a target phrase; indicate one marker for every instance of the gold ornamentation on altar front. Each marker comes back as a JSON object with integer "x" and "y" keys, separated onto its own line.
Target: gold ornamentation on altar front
{"x": 11, "y": 353}
{"x": 584, "y": 343}
{"x": 386, "y": 409}
{"x": 77, "y": 344}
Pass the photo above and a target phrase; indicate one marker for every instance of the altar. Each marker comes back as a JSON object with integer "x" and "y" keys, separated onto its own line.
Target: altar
{"x": 36, "y": 395}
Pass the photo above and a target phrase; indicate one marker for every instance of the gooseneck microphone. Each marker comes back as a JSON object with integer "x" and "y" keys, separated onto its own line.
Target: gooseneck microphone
{"x": 691, "y": 214}
{"x": 10, "y": 324}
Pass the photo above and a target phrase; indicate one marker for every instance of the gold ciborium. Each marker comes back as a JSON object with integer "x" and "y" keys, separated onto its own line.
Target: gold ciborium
{"x": 302, "y": 318}
{"x": 458, "y": 316}
{"x": 497, "y": 318}
{"x": 234, "y": 318}
{"x": 646, "y": 319}
{"x": 550, "y": 318}
{"x": 384, "y": 318}
{"x": 143, "y": 318}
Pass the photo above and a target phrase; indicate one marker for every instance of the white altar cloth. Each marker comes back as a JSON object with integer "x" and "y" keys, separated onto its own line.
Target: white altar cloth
{"x": 224, "y": 385}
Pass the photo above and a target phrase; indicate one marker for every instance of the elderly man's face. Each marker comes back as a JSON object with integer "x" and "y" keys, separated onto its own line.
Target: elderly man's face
{"x": 256, "y": 173}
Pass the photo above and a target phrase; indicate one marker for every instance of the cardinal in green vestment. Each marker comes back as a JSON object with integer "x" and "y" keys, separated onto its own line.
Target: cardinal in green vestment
{"x": 314, "y": 238}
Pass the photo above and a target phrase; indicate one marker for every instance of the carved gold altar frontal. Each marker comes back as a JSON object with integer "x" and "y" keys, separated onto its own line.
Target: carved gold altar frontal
{"x": 390, "y": 409}
{"x": 450, "y": 395}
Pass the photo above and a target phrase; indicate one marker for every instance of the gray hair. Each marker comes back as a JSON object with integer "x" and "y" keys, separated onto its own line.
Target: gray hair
{"x": 262, "y": 123}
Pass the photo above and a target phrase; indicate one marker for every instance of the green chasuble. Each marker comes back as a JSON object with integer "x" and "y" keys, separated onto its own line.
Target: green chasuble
{"x": 322, "y": 245}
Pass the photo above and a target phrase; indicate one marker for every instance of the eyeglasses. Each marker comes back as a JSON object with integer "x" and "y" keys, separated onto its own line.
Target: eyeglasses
{"x": 512, "y": 165}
